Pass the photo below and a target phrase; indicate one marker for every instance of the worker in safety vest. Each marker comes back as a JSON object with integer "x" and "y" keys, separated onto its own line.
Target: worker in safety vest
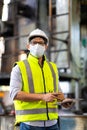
{"x": 34, "y": 87}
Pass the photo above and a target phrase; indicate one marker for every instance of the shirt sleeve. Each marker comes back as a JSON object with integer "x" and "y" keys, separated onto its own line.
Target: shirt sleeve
{"x": 15, "y": 82}
{"x": 60, "y": 90}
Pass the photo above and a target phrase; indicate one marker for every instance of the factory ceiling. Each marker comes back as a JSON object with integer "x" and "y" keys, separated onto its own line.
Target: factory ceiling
{"x": 83, "y": 9}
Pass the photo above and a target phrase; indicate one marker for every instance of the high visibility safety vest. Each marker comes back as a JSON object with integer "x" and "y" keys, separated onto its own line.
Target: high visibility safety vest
{"x": 38, "y": 80}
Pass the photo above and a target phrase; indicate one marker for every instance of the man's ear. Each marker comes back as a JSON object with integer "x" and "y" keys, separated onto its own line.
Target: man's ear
{"x": 46, "y": 46}
{"x": 28, "y": 46}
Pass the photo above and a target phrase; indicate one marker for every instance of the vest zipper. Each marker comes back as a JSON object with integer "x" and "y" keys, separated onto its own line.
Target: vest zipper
{"x": 45, "y": 92}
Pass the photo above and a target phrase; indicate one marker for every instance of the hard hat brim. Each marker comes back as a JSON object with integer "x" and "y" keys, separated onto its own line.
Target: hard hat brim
{"x": 44, "y": 38}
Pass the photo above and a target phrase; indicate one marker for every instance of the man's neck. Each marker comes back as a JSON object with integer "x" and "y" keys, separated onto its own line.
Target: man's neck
{"x": 40, "y": 61}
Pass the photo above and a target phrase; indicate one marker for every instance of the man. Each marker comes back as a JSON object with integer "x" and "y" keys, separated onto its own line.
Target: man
{"x": 34, "y": 87}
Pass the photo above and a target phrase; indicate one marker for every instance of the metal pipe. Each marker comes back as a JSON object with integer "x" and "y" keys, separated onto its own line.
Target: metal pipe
{"x": 50, "y": 15}
{"x": 77, "y": 95}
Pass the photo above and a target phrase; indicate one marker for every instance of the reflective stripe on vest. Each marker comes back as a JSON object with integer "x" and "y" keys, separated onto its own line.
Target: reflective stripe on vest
{"x": 30, "y": 79}
{"x": 29, "y": 74}
{"x": 34, "y": 111}
{"x": 53, "y": 74}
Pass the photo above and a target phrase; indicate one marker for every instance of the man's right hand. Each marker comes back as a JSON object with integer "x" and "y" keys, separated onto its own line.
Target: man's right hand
{"x": 59, "y": 96}
{"x": 49, "y": 97}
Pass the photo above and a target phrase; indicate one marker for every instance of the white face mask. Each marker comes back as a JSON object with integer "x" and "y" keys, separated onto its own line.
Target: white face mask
{"x": 37, "y": 50}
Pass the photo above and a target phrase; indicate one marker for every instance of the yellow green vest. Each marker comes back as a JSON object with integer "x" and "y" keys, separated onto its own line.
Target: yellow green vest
{"x": 37, "y": 79}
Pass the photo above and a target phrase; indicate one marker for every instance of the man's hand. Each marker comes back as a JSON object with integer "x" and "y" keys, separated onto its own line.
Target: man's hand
{"x": 59, "y": 96}
{"x": 49, "y": 97}
{"x": 67, "y": 103}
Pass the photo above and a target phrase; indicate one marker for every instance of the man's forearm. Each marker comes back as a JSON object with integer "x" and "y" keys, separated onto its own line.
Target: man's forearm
{"x": 24, "y": 96}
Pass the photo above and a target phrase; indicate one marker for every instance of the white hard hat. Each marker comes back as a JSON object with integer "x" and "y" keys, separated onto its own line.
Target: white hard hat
{"x": 38, "y": 33}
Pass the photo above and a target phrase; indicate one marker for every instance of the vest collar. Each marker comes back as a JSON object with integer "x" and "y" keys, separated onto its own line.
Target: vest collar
{"x": 35, "y": 59}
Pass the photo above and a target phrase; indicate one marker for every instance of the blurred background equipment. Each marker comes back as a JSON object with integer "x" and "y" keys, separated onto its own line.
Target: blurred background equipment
{"x": 84, "y": 102}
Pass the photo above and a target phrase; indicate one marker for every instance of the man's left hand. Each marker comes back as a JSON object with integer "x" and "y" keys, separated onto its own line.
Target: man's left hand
{"x": 67, "y": 103}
